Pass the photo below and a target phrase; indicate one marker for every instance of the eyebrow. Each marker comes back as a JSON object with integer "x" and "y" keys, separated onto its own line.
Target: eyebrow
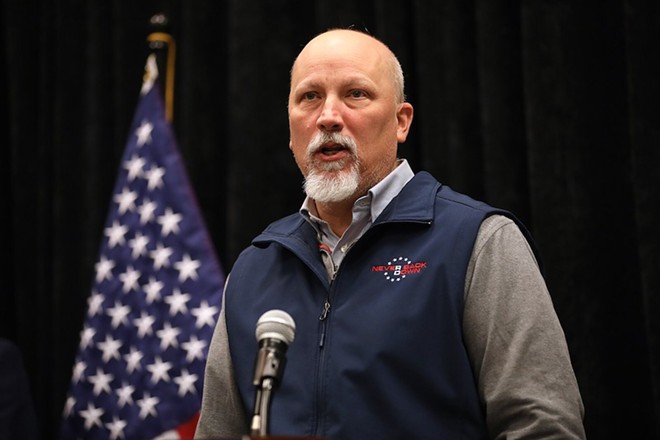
{"x": 349, "y": 82}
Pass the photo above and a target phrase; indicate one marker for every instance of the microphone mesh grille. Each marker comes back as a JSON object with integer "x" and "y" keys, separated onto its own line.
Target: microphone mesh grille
{"x": 276, "y": 324}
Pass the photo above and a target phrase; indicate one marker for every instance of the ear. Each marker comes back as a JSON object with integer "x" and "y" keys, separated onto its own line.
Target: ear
{"x": 404, "y": 117}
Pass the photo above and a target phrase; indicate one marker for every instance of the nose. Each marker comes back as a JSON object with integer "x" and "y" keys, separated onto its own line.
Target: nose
{"x": 330, "y": 118}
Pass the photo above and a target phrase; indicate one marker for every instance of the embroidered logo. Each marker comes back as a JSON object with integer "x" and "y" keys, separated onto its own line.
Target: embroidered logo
{"x": 398, "y": 268}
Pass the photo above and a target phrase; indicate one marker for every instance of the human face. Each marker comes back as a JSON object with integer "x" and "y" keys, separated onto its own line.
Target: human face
{"x": 343, "y": 82}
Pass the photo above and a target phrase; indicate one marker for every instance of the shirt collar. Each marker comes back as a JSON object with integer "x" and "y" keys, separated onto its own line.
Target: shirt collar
{"x": 379, "y": 196}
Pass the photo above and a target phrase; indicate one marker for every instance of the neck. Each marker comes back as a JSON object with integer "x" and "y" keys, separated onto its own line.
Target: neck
{"x": 339, "y": 215}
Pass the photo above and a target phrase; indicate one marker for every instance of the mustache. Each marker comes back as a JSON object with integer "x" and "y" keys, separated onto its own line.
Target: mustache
{"x": 323, "y": 138}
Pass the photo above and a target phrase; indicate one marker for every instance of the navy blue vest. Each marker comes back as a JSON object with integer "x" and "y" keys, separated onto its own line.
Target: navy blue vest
{"x": 388, "y": 361}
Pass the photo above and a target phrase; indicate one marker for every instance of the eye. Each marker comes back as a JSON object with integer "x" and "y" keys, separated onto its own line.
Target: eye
{"x": 357, "y": 94}
{"x": 309, "y": 96}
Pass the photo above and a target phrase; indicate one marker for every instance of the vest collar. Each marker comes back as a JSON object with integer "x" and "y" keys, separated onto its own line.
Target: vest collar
{"x": 415, "y": 203}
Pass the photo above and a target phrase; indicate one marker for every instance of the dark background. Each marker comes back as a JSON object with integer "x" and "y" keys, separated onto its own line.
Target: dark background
{"x": 548, "y": 108}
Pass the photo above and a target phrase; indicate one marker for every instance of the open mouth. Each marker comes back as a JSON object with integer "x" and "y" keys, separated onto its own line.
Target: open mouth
{"x": 332, "y": 149}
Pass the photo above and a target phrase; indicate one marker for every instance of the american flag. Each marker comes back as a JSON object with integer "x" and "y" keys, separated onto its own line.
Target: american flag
{"x": 154, "y": 301}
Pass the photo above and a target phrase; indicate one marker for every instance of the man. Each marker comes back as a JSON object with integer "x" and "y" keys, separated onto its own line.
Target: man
{"x": 420, "y": 313}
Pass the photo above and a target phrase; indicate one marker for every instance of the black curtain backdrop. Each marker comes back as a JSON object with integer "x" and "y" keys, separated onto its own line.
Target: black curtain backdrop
{"x": 548, "y": 108}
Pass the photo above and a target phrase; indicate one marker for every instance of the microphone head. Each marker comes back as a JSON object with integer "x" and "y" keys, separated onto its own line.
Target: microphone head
{"x": 276, "y": 324}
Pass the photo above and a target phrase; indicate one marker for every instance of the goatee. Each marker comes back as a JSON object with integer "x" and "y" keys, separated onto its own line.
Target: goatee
{"x": 330, "y": 181}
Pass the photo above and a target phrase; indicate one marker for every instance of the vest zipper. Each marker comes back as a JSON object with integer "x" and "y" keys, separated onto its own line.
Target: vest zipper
{"x": 320, "y": 387}
{"x": 331, "y": 270}
{"x": 322, "y": 318}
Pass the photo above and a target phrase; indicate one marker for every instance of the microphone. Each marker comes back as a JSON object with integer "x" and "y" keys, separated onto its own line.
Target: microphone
{"x": 275, "y": 331}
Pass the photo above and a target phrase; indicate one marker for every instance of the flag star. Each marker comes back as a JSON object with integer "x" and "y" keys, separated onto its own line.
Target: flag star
{"x": 134, "y": 167}
{"x": 159, "y": 370}
{"x": 92, "y": 416}
{"x": 129, "y": 279}
{"x": 104, "y": 268}
{"x": 115, "y": 234}
{"x": 194, "y": 348}
{"x": 177, "y": 302}
{"x": 68, "y": 406}
{"x": 144, "y": 324}
{"x": 169, "y": 222}
{"x": 161, "y": 256}
{"x": 146, "y": 211}
{"x": 205, "y": 314}
{"x": 168, "y": 336}
{"x": 125, "y": 395}
{"x": 154, "y": 177}
{"x": 94, "y": 303}
{"x": 100, "y": 381}
{"x": 152, "y": 289}
{"x": 148, "y": 405}
{"x": 110, "y": 348}
{"x": 116, "y": 428}
{"x": 143, "y": 133}
{"x": 86, "y": 336}
{"x": 126, "y": 200}
{"x": 133, "y": 359}
{"x": 186, "y": 383}
{"x": 78, "y": 371}
{"x": 139, "y": 245}
{"x": 118, "y": 313}
{"x": 187, "y": 268}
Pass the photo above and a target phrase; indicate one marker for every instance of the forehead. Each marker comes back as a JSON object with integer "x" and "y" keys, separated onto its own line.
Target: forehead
{"x": 346, "y": 53}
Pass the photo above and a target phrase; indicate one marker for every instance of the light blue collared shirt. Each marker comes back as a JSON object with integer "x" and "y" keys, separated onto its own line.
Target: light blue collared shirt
{"x": 366, "y": 210}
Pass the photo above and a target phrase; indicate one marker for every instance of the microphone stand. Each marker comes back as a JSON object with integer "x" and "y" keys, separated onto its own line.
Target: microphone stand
{"x": 260, "y": 419}
{"x": 268, "y": 372}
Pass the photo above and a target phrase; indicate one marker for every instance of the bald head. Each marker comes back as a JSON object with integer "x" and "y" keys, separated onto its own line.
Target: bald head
{"x": 346, "y": 115}
{"x": 352, "y": 46}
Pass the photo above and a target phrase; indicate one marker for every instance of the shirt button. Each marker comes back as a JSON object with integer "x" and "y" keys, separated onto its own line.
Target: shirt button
{"x": 345, "y": 247}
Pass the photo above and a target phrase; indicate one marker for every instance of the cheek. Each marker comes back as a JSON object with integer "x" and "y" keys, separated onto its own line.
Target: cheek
{"x": 301, "y": 131}
{"x": 301, "y": 121}
{"x": 299, "y": 136}
{"x": 380, "y": 145}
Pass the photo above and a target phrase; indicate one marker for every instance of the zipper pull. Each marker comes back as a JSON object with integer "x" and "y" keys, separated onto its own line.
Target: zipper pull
{"x": 334, "y": 273}
{"x": 324, "y": 315}
{"x": 326, "y": 310}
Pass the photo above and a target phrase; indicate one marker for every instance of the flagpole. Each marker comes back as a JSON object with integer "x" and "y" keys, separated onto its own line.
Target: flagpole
{"x": 160, "y": 40}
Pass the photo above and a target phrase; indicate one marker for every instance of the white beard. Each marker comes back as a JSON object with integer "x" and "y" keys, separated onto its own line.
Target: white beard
{"x": 329, "y": 182}
{"x": 333, "y": 186}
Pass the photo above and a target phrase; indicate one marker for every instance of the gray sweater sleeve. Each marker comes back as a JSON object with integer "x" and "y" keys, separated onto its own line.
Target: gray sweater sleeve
{"x": 516, "y": 344}
{"x": 222, "y": 414}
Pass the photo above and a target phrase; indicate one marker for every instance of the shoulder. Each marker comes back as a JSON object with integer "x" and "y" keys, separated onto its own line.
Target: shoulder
{"x": 501, "y": 235}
